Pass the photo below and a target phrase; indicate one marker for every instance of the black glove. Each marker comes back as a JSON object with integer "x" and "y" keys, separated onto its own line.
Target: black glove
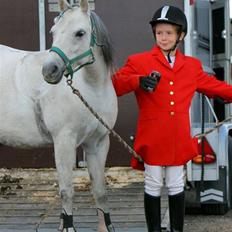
{"x": 149, "y": 83}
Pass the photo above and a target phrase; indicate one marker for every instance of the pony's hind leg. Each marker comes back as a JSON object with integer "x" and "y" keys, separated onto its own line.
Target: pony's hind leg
{"x": 65, "y": 153}
{"x": 96, "y": 152}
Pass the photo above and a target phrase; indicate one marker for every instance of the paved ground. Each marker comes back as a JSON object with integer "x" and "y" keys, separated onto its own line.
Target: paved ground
{"x": 29, "y": 200}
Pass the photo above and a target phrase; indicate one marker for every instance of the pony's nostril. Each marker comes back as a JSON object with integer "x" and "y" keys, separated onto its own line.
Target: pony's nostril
{"x": 50, "y": 69}
{"x": 54, "y": 69}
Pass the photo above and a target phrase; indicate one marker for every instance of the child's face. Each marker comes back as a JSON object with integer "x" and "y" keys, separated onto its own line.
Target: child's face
{"x": 166, "y": 36}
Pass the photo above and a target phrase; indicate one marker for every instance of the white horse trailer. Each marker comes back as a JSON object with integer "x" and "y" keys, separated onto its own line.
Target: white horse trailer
{"x": 210, "y": 40}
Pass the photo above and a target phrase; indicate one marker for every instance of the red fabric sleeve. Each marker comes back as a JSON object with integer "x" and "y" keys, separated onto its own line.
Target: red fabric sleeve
{"x": 212, "y": 87}
{"x": 126, "y": 79}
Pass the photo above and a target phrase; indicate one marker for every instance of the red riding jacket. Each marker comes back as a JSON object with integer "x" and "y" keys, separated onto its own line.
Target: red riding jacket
{"x": 163, "y": 134}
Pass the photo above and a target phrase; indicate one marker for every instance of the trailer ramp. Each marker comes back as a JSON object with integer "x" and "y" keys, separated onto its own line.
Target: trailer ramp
{"x": 29, "y": 199}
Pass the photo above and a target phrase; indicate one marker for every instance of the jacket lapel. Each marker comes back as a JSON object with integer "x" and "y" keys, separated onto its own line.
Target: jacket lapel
{"x": 179, "y": 60}
{"x": 156, "y": 52}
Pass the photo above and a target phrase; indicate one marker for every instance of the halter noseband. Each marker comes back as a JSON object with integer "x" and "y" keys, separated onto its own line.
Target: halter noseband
{"x": 69, "y": 62}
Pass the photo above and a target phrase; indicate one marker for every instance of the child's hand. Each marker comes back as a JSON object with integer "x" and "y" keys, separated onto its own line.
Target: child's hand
{"x": 149, "y": 83}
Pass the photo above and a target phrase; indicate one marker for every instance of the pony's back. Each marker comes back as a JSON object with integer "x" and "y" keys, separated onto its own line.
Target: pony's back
{"x": 9, "y": 57}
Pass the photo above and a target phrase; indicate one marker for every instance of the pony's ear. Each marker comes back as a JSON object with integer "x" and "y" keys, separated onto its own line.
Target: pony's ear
{"x": 84, "y": 5}
{"x": 64, "y": 5}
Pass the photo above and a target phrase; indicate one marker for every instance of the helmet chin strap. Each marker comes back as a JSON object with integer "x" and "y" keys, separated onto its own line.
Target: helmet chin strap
{"x": 173, "y": 49}
{"x": 169, "y": 52}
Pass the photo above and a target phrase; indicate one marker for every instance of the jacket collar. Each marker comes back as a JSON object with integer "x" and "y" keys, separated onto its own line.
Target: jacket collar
{"x": 179, "y": 60}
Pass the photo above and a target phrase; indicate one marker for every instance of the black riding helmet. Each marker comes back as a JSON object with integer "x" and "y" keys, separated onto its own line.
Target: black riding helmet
{"x": 172, "y": 15}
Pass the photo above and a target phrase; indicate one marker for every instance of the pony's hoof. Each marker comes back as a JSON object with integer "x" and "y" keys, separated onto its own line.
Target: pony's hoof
{"x": 110, "y": 228}
{"x": 66, "y": 223}
{"x": 68, "y": 230}
{"x": 105, "y": 224}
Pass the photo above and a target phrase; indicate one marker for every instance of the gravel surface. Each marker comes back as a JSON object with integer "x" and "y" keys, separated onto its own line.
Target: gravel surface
{"x": 209, "y": 223}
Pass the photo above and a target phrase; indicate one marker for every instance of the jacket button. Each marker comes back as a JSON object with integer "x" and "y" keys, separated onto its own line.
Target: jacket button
{"x": 171, "y": 93}
{"x": 172, "y": 103}
{"x": 172, "y": 113}
{"x": 171, "y": 83}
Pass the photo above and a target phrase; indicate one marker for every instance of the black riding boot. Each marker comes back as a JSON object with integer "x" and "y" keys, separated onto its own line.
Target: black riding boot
{"x": 152, "y": 213}
{"x": 176, "y": 211}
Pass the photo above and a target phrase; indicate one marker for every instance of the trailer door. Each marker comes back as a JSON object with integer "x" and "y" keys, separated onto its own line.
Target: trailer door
{"x": 212, "y": 37}
{"x": 211, "y": 42}
{"x": 220, "y": 24}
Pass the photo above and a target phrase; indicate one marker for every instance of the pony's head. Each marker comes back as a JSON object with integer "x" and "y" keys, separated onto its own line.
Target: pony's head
{"x": 75, "y": 33}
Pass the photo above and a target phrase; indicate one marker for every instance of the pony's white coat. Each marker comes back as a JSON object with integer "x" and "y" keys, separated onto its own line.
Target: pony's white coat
{"x": 34, "y": 113}
{"x": 21, "y": 90}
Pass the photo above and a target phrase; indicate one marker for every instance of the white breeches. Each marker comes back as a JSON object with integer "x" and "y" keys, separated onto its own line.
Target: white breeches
{"x": 156, "y": 176}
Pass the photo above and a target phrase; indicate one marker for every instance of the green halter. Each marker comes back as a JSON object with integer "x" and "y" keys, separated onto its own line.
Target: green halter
{"x": 69, "y": 62}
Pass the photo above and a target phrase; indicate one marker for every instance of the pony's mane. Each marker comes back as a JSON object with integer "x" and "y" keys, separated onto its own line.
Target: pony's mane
{"x": 103, "y": 40}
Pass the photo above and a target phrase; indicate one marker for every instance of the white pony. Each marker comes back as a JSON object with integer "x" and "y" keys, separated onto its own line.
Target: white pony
{"x": 34, "y": 113}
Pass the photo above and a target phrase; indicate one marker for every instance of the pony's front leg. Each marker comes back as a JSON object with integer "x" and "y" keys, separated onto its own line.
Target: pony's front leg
{"x": 65, "y": 156}
{"x": 96, "y": 152}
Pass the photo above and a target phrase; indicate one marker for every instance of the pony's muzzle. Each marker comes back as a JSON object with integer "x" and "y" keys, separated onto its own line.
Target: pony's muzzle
{"x": 52, "y": 72}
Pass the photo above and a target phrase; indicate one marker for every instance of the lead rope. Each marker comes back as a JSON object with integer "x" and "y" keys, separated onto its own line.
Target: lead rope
{"x": 219, "y": 124}
{"x": 95, "y": 114}
{"x": 77, "y": 92}
{"x": 115, "y": 134}
{"x": 202, "y": 141}
{"x": 51, "y": 207}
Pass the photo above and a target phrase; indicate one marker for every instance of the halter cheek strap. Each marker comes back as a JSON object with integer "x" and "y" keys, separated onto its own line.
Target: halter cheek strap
{"x": 69, "y": 62}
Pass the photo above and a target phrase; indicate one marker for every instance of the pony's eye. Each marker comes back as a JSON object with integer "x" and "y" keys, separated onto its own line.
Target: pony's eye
{"x": 80, "y": 33}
